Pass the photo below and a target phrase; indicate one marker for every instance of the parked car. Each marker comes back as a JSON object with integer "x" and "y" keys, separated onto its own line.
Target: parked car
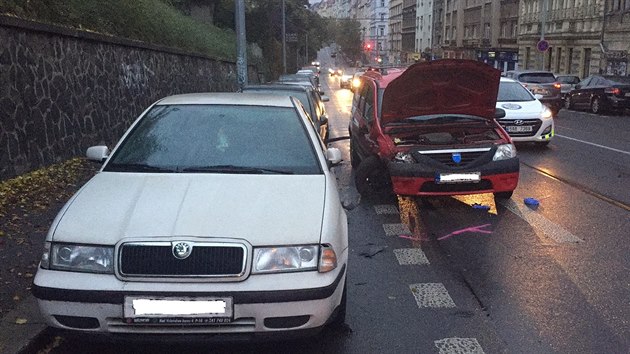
{"x": 335, "y": 72}
{"x": 356, "y": 81}
{"x": 216, "y": 214}
{"x": 567, "y": 83}
{"x": 431, "y": 130}
{"x": 301, "y": 78}
{"x": 345, "y": 81}
{"x": 526, "y": 118}
{"x": 312, "y": 101}
{"x": 543, "y": 83}
{"x": 601, "y": 94}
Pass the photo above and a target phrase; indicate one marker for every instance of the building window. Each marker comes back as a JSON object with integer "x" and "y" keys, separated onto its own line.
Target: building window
{"x": 558, "y": 59}
{"x": 382, "y": 17}
{"x": 570, "y": 61}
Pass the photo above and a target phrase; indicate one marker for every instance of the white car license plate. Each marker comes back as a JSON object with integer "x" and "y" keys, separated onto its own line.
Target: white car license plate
{"x": 177, "y": 310}
{"x": 443, "y": 178}
{"x": 518, "y": 128}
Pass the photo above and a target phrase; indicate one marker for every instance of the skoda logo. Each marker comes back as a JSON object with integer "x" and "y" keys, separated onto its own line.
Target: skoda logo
{"x": 181, "y": 250}
{"x": 457, "y": 157}
{"x": 519, "y": 122}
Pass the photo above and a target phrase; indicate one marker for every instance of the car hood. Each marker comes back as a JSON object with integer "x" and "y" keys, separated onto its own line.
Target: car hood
{"x": 263, "y": 209}
{"x": 522, "y": 109}
{"x": 446, "y": 86}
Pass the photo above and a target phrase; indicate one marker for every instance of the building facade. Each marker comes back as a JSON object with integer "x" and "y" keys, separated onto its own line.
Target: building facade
{"x": 424, "y": 27}
{"x": 573, "y": 31}
{"x": 395, "y": 31}
{"x": 408, "y": 33}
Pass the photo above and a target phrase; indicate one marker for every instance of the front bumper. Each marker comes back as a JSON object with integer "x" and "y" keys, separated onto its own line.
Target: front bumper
{"x": 418, "y": 179}
{"x": 99, "y": 310}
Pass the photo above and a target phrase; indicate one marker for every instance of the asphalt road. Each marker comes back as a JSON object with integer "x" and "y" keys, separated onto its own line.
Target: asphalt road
{"x": 554, "y": 279}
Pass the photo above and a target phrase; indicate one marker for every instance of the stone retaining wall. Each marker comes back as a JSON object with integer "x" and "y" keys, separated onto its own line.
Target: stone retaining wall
{"x": 63, "y": 90}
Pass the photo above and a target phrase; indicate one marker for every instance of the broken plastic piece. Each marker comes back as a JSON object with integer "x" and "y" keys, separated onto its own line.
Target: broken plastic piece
{"x": 480, "y": 206}
{"x": 531, "y": 202}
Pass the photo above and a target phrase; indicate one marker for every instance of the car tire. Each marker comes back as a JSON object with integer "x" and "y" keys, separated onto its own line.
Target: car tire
{"x": 340, "y": 312}
{"x": 355, "y": 160}
{"x": 371, "y": 177}
{"x": 503, "y": 195}
{"x": 596, "y": 105}
{"x": 567, "y": 102}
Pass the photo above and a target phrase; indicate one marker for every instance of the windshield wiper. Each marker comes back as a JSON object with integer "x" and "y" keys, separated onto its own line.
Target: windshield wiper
{"x": 234, "y": 169}
{"x": 137, "y": 167}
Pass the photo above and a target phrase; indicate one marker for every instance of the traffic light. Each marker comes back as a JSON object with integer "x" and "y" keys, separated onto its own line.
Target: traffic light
{"x": 367, "y": 47}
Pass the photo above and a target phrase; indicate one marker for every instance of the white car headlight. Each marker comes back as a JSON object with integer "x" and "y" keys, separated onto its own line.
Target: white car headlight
{"x": 504, "y": 152}
{"x": 78, "y": 258}
{"x": 546, "y": 113}
{"x": 286, "y": 259}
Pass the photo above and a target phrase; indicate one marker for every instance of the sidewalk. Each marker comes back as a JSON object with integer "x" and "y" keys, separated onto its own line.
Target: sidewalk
{"x": 20, "y": 327}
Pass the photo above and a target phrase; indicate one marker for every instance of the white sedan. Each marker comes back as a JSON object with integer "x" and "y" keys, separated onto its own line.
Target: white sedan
{"x": 215, "y": 213}
{"x": 526, "y": 118}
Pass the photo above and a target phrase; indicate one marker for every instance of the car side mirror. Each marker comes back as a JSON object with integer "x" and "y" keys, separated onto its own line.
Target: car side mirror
{"x": 499, "y": 113}
{"x": 333, "y": 156}
{"x": 578, "y": 86}
{"x": 97, "y": 153}
{"x": 325, "y": 98}
{"x": 538, "y": 96}
{"x": 323, "y": 120}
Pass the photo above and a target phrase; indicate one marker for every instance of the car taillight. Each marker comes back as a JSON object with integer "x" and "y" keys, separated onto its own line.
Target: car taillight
{"x": 613, "y": 91}
{"x": 557, "y": 85}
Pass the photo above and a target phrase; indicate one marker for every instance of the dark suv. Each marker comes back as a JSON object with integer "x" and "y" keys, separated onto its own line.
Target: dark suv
{"x": 543, "y": 83}
{"x": 431, "y": 129}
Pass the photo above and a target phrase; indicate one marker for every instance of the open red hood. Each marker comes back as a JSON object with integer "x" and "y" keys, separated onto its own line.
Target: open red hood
{"x": 447, "y": 86}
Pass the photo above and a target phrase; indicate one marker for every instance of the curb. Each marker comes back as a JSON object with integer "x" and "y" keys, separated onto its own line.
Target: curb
{"x": 20, "y": 338}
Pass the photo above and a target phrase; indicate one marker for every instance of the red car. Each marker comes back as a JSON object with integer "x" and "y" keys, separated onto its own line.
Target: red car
{"x": 431, "y": 130}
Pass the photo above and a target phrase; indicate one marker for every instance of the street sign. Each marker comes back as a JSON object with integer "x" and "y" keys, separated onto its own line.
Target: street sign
{"x": 542, "y": 45}
{"x": 291, "y": 37}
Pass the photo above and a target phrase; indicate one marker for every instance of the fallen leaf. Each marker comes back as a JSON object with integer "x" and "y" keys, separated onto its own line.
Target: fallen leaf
{"x": 28, "y": 275}
{"x": 21, "y": 321}
{"x": 16, "y": 298}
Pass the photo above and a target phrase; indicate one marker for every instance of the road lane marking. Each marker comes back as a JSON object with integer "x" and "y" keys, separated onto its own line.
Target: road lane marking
{"x": 541, "y": 224}
{"x": 410, "y": 256}
{"x": 458, "y": 346}
{"x": 396, "y": 229}
{"x": 433, "y": 295}
{"x": 386, "y": 209}
{"x": 593, "y": 144}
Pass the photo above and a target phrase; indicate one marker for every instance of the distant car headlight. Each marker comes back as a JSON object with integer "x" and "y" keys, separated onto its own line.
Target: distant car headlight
{"x": 356, "y": 82}
{"x": 504, "y": 152}
{"x": 78, "y": 258}
{"x": 285, "y": 259}
{"x": 546, "y": 113}
{"x": 404, "y": 157}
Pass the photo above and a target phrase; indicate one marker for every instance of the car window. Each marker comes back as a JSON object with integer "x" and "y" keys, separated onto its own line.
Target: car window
{"x": 368, "y": 110}
{"x": 513, "y": 92}
{"x": 571, "y": 80}
{"x": 180, "y": 137}
{"x": 362, "y": 97}
{"x": 537, "y": 78}
{"x": 585, "y": 82}
{"x": 619, "y": 80}
{"x": 597, "y": 81}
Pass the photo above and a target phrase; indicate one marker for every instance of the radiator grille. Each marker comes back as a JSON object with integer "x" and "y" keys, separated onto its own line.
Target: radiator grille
{"x": 144, "y": 259}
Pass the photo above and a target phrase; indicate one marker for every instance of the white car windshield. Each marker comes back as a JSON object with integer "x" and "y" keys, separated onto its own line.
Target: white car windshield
{"x": 217, "y": 139}
{"x": 513, "y": 92}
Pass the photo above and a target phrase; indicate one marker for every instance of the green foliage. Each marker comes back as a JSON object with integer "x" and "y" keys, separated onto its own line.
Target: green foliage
{"x": 152, "y": 21}
{"x": 347, "y": 34}
{"x": 164, "y": 22}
